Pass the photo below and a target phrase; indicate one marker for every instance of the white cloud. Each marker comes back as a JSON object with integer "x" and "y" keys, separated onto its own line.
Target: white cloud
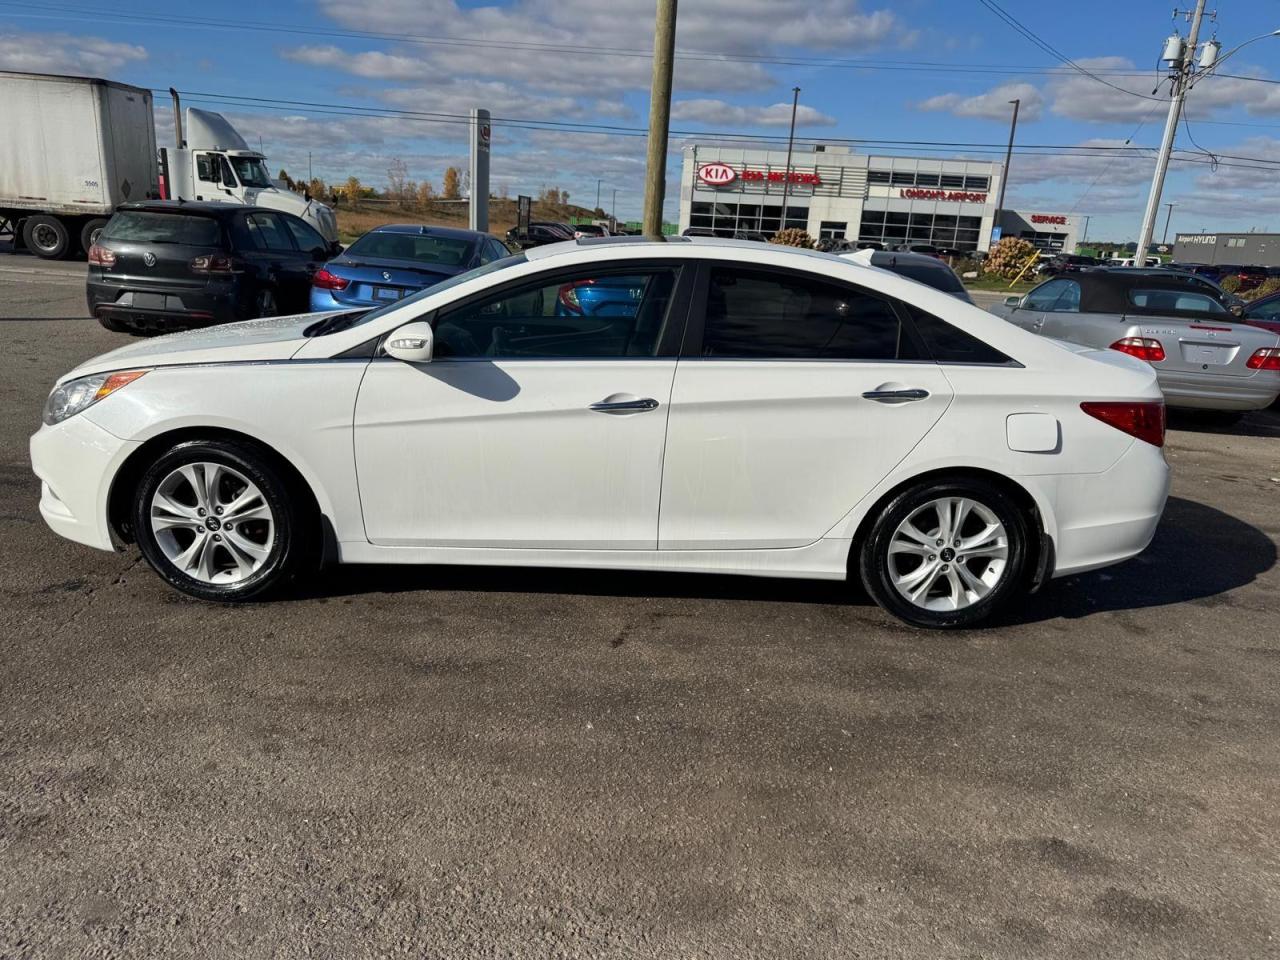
{"x": 992, "y": 105}
{"x": 63, "y": 53}
{"x": 717, "y": 112}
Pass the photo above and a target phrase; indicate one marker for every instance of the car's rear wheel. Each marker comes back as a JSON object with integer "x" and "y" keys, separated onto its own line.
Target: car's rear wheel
{"x": 264, "y": 305}
{"x": 219, "y": 521}
{"x": 946, "y": 553}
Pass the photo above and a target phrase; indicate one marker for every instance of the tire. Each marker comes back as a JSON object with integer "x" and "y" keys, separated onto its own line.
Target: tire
{"x": 993, "y": 572}
{"x": 195, "y": 552}
{"x": 89, "y": 232}
{"x": 46, "y": 237}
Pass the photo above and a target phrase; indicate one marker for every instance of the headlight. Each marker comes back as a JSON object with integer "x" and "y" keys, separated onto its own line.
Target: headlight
{"x": 75, "y": 395}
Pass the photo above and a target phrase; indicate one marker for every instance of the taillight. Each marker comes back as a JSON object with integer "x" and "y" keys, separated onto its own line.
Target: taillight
{"x": 1267, "y": 358}
{"x": 1143, "y": 348}
{"x": 1143, "y": 420}
{"x": 569, "y": 295}
{"x": 329, "y": 281}
{"x": 102, "y": 256}
{"x": 218, "y": 263}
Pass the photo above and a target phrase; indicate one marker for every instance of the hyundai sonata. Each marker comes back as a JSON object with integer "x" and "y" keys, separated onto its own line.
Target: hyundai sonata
{"x": 739, "y": 408}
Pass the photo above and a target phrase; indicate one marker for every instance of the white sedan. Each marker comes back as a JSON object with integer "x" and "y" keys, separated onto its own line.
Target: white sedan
{"x": 688, "y": 405}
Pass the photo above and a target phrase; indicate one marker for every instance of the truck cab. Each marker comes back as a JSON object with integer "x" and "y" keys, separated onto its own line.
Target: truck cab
{"x": 213, "y": 164}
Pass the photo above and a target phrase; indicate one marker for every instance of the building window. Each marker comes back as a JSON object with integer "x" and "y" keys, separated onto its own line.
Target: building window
{"x": 832, "y": 230}
{"x": 880, "y": 177}
{"x": 951, "y": 181}
{"x": 978, "y": 184}
{"x": 740, "y": 220}
{"x": 926, "y": 180}
{"x": 944, "y": 231}
{"x": 1235, "y": 242}
{"x": 903, "y": 179}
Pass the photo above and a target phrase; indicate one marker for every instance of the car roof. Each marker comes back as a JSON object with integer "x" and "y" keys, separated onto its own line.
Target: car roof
{"x": 425, "y": 230}
{"x": 1104, "y": 291}
{"x": 193, "y": 207}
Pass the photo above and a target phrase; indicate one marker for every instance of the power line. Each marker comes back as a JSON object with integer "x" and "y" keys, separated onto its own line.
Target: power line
{"x": 1029, "y": 34}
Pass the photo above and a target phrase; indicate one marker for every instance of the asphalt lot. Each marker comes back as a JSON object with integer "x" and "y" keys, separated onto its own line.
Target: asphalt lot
{"x": 456, "y": 763}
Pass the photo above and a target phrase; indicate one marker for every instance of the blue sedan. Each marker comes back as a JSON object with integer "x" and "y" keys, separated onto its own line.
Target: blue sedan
{"x": 398, "y": 259}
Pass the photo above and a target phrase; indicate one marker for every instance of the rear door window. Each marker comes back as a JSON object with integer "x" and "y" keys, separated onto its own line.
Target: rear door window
{"x": 267, "y": 232}
{"x": 755, "y": 315}
{"x": 1175, "y": 301}
{"x": 145, "y": 226}
{"x": 307, "y": 238}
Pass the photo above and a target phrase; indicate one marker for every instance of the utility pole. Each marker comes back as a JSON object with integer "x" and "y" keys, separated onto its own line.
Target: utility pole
{"x": 664, "y": 51}
{"x": 1167, "y": 217}
{"x": 1085, "y": 235}
{"x": 1008, "y": 158}
{"x": 791, "y": 139}
{"x": 598, "y": 182}
{"x": 1181, "y": 82}
{"x": 310, "y": 177}
{"x": 613, "y": 207}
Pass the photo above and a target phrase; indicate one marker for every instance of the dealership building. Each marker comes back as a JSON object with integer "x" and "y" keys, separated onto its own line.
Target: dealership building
{"x": 1238, "y": 249}
{"x": 834, "y": 193}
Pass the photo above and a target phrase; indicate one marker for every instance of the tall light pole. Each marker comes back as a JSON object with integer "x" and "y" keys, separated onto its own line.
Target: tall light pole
{"x": 1182, "y": 64}
{"x": 1167, "y": 217}
{"x": 791, "y": 139}
{"x": 655, "y": 178}
{"x": 1008, "y": 158}
{"x": 613, "y": 207}
{"x": 1085, "y": 235}
{"x": 598, "y": 182}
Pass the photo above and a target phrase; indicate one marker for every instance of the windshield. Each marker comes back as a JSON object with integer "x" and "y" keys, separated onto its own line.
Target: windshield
{"x": 252, "y": 171}
{"x": 387, "y": 245}
{"x": 437, "y": 288}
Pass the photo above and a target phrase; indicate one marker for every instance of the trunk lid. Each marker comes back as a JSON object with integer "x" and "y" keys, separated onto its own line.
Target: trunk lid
{"x": 1208, "y": 347}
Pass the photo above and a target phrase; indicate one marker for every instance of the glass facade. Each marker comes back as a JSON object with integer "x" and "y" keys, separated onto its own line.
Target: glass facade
{"x": 892, "y": 227}
{"x": 1044, "y": 241}
{"x": 732, "y": 219}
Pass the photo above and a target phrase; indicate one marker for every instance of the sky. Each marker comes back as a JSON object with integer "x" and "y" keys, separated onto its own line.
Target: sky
{"x": 567, "y": 81}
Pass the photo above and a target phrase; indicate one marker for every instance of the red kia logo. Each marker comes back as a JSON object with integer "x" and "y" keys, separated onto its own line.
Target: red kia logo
{"x": 717, "y": 174}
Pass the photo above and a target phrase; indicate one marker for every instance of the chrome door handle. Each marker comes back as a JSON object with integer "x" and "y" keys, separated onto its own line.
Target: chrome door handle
{"x": 895, "y": 396}
{"x": 634, "y": 405}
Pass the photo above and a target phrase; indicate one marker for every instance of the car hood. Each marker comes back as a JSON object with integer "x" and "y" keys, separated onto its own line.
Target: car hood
{"x": 272, "y": 338}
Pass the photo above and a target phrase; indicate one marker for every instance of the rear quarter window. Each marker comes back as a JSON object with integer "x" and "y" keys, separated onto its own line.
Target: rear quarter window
{"x": 149, "y": 227}
{"x": 1175, "y": 301}
{"x": 948, "y": 344}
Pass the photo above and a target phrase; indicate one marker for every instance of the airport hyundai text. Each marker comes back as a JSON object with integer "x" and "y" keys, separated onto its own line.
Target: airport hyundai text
{"x": 739, "y": 408}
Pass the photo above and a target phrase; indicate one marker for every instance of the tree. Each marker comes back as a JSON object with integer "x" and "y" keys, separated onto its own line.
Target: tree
{"x": 352, "y": 190}
{"x": 317, "y": 188}
{"x": 504, "y": 192}
{"x": 793, "y": 237}
{"x": 397, "y": 175}
{"x": 1009, "y": 257}
{"x": 288, "y": 181}
{"x": 425, "y": 193}
{"x": 452, "y": 183}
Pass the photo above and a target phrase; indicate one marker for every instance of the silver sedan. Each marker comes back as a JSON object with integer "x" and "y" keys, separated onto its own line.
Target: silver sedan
{"x": 1203, "y": 356}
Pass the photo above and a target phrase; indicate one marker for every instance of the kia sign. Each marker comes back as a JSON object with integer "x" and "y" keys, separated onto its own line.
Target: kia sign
{"x": 716, "y": 174}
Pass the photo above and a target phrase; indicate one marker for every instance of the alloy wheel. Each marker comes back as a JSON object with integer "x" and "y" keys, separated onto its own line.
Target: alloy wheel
{"x": 212, "y": 523}
{"x": 45, "y": 237}
{"x": 948, "y": 554}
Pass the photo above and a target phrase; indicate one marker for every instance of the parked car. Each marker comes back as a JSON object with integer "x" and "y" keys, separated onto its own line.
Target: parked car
{"x": 538, "y": 235}
{"x": 393, "y": 261}
{"x": 1203, "y": 356}
{"x": 920, "y": 267}
{"x": 581, "y": 230}
{"x": 840, "y": 421}
{"x": 1065, "y": 263}
{"x": 1131, "y": 261}
{"x": 165, "y": 265}
{"x": 1248, "y": 276}
{"x": 1264, "y": 313}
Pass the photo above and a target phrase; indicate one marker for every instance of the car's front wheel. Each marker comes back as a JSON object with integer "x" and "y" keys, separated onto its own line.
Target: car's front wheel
{"x": 946, "y": 553}
{"x": 219, "y": 521}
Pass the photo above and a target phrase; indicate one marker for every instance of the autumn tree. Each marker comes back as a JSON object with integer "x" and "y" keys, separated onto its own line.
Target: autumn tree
{"x": 352, "y": 190}
{"x": 452, "y": 183}
{"x": 288, "y": 180}
{"x": 317, "y": 188}
{"x": 425, "y": 193}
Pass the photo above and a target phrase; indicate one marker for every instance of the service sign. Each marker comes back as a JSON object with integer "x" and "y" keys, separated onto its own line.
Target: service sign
{"x": 1048, "y": 218}
{"x": 717, "y": 174}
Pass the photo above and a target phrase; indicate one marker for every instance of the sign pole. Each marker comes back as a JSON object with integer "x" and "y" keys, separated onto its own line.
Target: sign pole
{"x": 481, "y": 134}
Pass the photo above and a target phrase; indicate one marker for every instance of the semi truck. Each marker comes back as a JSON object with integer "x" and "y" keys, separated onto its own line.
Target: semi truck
{"x": 79, "y": 147}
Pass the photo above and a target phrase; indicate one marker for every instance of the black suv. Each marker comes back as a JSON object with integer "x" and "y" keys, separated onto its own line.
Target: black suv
{"x": 166, "y": 265}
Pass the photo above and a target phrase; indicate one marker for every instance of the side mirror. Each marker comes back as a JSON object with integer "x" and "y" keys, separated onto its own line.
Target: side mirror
{"x": 412, "y": 343}
{"x": 1237, "y": 309}
{"x": 1013, "y": 302}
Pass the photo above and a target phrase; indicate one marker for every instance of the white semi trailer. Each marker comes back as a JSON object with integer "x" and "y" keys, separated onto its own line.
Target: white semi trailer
{"x": 79, "y": 147}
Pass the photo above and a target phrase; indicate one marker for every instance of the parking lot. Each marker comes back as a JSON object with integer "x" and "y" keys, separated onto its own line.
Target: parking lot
{"x": 440, "y": 762}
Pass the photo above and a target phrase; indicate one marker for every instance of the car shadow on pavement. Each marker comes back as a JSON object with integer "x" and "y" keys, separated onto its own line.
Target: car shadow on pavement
{"x": 1259, "y": 423}
{"x": 1198, "y": 554}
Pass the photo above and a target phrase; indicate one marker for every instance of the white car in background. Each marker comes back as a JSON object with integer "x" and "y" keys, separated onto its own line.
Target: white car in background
{"x": 689, "y": 405}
